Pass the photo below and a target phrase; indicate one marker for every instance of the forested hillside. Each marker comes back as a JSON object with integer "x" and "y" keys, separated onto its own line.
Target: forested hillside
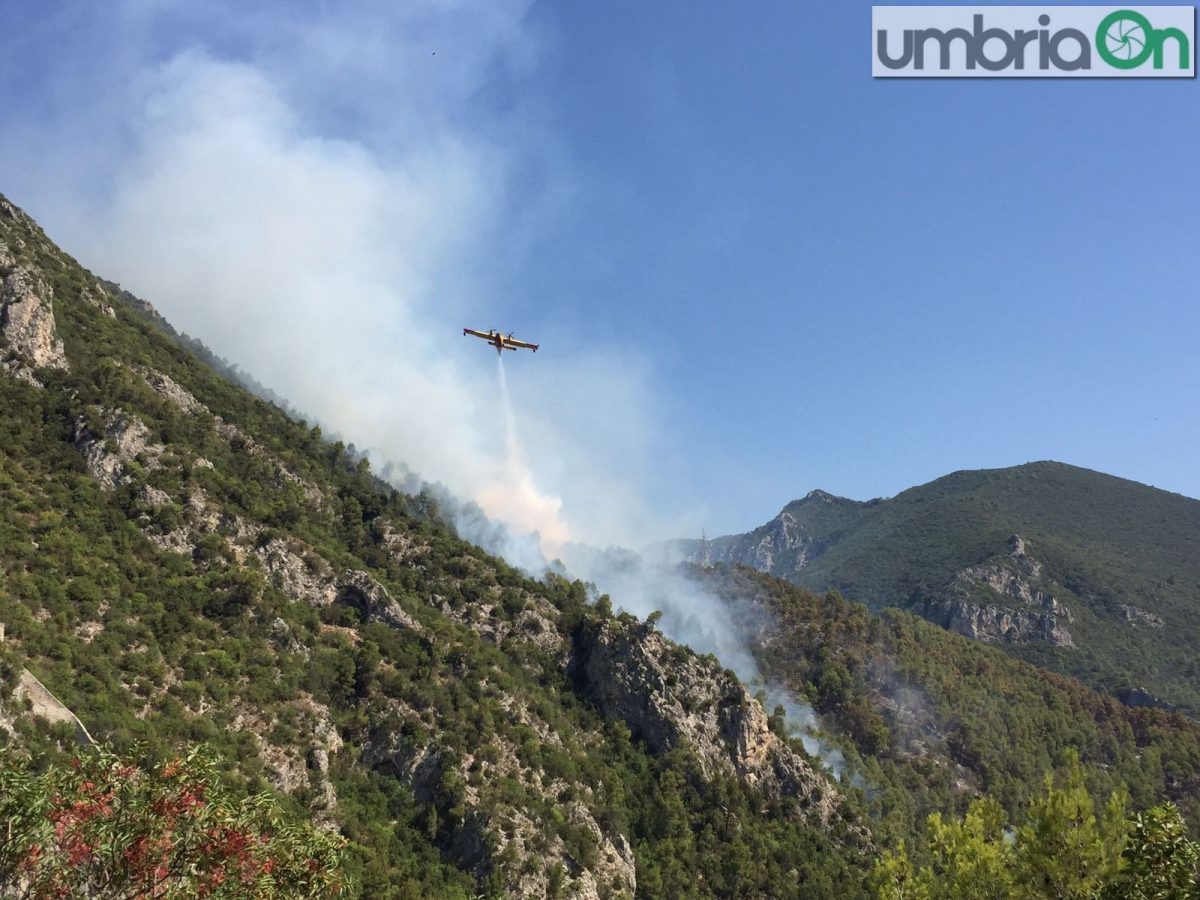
{"x": 1084, "y": 573}
{"x": 930, "y": 720}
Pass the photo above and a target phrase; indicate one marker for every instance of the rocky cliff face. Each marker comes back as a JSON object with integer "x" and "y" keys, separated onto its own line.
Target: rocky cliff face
{"x": 490, "y": 844}
{"x": 27, "y": 319}
{"x": 994, "y": 624}
{"x": 668, "y": 697}
{"x": 768, "y": 547}
{"x": 1029, "y": 613}
{"x": 1141, "y": 618}
{"x": 29, "y": 337}
{"x": 782, "y": 547}
{"x": 43, "y": 704}
{"x": 109, "y": 448}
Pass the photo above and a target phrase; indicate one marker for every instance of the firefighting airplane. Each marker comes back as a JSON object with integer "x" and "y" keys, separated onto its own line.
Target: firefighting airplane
{"x": 501, "y": 341}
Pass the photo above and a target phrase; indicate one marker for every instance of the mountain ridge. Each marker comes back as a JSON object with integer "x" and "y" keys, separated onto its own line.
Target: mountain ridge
{"x": 1105, "y": 565}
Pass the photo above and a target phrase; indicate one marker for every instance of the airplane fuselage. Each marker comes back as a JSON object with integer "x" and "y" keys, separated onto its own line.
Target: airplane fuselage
{"x": 501, "y": 341}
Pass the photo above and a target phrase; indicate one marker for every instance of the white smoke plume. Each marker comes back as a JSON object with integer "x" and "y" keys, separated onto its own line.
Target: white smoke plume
{"x": 696, "y": 617}
{"x": 691, "y": 614}
{"x": 805, "y": 724}
{"x": 513, "y": 497}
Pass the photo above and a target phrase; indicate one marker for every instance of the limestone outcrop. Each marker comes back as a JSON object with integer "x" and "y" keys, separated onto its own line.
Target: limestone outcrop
{"x": 108, "y": 449}
{"x": 28, "y": 335}
{"x": 499, "y": 845}
{"x": 1029, "y": 614}
{"x": 670, "y": 697}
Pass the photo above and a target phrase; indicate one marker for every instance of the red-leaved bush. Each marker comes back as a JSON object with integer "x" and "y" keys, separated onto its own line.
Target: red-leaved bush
{"x": 104, "y": 828}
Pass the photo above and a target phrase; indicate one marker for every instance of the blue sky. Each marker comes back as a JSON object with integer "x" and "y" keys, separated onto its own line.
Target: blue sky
{"x": 867, "y": 284}
{"x": 754, "y": 270}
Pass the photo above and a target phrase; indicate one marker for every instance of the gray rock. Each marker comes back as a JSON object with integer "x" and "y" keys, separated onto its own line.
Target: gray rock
{"x": 1140, "y": 697}
{"x": 44, "y": 705}
{"x": 995, "y": 624}
{"x": 1135, "y": 615}
{"x": 480, "y": 843}
{"x": 167, "y": 388}
{"x": 95, "y": 296}
{"x": 1030, "y": 614}
{"x": 361, "y": 590}
{"x": 27, "y": 319}
{"x": 318, "y": 758}
{"x": 108, "y": 450}
{"x": 668, "y": 697}
{"x": 782, "y": 547}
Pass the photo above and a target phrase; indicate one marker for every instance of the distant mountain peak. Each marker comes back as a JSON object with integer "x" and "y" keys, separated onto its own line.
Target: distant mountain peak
{"x": 818, "y": 494}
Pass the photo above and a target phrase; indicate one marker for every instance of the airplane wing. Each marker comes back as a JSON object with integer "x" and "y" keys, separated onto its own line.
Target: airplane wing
{"x": 505, "y": 343}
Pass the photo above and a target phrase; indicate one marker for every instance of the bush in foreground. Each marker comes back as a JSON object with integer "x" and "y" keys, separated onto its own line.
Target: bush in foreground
{"x": 1064, "y": 850}
{"x": 102, "y": 827}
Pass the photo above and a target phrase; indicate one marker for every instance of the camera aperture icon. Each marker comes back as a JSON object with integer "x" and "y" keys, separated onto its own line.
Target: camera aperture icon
{"x": 1125, "y": 39}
